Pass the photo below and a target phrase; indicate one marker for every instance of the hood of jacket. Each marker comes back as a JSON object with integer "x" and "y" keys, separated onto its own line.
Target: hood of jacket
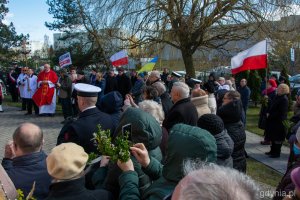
{"x": 187, "y": 142}
{"x": 111, "y": 102}
{"x": 224, "y": 144}
{"x": 145, "y": 128}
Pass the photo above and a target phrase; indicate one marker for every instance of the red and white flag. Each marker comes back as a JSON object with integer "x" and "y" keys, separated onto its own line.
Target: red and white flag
{"x": 250, "y": 59}
{"x": 119, "y": 58}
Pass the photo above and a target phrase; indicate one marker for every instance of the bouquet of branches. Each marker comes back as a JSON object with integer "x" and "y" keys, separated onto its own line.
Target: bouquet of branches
{"x": 117, "y": 151}
{"x": 288, "y": 125}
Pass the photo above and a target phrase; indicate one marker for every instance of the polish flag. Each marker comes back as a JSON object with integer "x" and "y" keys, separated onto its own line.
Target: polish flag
{"x": 119, "y": 58}
{"x": 250, "y": 59}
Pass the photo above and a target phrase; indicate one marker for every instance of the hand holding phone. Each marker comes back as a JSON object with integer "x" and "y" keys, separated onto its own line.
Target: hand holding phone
{"x": 127, "y": 129}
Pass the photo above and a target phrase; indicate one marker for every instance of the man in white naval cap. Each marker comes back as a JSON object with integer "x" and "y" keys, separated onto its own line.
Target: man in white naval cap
{"x": 81, "y": 131}
{"x": 175, "y": 78}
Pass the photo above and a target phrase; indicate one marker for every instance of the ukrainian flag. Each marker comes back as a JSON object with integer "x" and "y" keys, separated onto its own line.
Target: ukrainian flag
{"x": 149, "y": 66}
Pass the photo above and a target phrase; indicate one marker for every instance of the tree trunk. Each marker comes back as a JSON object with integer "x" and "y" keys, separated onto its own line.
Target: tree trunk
{"x": 188, "y": 63}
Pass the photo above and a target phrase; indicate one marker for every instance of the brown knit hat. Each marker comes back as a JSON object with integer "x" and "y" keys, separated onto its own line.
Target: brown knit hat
{"x": 66, "y": 161}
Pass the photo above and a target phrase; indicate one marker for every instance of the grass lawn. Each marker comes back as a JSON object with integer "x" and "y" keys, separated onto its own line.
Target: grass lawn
{"x": 8, "y": 102}
{"x": 252, "y": 121}
{"x": 262, "y": 173}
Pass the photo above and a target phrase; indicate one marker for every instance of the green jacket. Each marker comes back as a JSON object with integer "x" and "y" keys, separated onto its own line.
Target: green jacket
{"x": 184, "y": 142}
{"x": 145, "y": 129}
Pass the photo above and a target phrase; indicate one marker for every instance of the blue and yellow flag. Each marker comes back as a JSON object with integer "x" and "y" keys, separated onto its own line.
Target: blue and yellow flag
{"x": 149, "y": 66}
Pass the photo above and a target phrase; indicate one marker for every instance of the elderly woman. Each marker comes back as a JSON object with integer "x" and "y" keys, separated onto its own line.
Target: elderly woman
{"x": 200, "y": 99}
{"x": 154, "y": 109}
{"x": 165, "y": 97}
{"x": 277, "y": 113}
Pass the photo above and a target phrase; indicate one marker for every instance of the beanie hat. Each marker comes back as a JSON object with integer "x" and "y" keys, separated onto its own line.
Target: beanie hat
{"x": 212, "y": 123}
{"x": 66, "y": 161}
{"x": 272, "y": 83}
{"x": 295, "y": 176}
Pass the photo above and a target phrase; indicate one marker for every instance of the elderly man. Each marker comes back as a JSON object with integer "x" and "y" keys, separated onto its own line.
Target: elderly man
{"x": 25, "y": 162}
{"x": 81, "y": 131}
{"x": 245, "y": 93}
{"x": 215, "y": 182}
{"x": 66, "y": 164}
{"x": 222, "y": 85}
{"x": 183, "y": 110}
{"x": 174, "y": 78}
{"x": 45, "y": 96}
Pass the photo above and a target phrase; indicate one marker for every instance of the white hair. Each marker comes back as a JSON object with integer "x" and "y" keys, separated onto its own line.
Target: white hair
{"x": 211, "y": 181}
{"x": 155, "y": 73}
{"x": 153, "y": 108}
{"x": 160, "y": 87}
{"x": 182, "y": 88}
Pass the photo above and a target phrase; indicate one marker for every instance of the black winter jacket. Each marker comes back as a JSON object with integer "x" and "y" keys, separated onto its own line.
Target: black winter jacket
{"x": 74, "y": 189}
{"x": 231, "y": 116}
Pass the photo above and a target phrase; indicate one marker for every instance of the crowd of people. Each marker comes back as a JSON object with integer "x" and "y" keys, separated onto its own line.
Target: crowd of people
{"x": 188, "y": 137}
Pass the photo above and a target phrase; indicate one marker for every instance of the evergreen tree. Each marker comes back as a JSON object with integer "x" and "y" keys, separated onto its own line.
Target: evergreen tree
{"x": 8, "y": 36}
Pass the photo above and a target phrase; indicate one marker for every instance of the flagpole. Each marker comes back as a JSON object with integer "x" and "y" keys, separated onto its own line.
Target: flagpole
{"x": 267, "y": 64}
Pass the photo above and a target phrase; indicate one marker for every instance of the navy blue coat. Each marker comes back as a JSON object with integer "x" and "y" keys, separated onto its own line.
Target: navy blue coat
{"x": 81, "y": 131}
{"x": 74, "y": 189}
{"x": 245, "y": 93}
{"x": 24, "y": 170}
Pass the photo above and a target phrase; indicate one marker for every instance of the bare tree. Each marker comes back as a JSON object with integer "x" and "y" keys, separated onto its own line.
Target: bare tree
{"x": 188, "y": 25}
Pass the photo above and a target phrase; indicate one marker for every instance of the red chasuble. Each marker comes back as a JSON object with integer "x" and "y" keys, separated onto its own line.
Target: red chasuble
{"x": 44, "y": 94}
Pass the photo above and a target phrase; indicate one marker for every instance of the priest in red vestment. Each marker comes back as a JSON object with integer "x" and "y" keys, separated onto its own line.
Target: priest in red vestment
{"x": 45, "y": 96}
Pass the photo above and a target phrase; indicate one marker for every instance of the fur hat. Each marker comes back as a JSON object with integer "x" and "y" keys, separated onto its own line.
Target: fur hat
{"x": 212, "y": 123}
{"x": 66, "y": 161}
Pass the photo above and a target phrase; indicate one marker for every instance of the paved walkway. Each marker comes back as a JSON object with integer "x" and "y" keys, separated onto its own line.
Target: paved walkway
{"x": 11, "y": 118}
{"x": 257, "y": 152}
